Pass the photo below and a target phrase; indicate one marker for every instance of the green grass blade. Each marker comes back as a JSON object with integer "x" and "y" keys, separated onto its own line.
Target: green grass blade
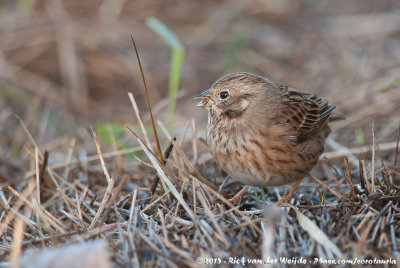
{"x": 177, "y": 57}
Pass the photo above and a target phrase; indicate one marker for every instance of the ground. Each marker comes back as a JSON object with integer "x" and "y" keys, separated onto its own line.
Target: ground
{"x": 66, "y": 68}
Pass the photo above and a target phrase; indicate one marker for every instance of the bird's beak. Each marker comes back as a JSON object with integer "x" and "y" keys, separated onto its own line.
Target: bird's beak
{"x": 205, "y": 99}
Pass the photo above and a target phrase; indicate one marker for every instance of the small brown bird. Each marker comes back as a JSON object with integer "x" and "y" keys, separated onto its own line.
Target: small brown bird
{"x": 262, "y": 133}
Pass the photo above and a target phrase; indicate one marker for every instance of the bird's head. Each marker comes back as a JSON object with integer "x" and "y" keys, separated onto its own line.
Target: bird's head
{"x": 231, "y": 95}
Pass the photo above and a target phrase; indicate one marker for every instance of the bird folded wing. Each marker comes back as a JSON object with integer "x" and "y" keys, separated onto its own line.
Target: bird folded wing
{"x": 306, "y": 112}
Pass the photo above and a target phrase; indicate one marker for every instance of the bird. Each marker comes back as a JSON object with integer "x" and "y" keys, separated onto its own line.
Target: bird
{"x": 263, "y": 133}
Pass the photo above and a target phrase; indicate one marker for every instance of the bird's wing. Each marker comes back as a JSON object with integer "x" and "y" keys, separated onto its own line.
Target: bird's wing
{"x": 306, "y": 112}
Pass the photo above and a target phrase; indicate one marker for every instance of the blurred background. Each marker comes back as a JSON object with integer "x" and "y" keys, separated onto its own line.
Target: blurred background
{"x": 66, "y": 65}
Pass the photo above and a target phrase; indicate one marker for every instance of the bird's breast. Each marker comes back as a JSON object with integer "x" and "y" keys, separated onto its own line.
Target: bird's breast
{"x": 240, "y": 157}
{"x": 257, "y": 158}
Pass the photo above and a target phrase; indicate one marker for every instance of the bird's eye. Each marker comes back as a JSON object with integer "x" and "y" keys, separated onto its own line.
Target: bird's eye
{"x": 224, "y": 94}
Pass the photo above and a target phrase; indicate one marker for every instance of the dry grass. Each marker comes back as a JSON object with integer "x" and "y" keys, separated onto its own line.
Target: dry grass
{"x": 64, "y": 66}
{"x": 354, "y": 214}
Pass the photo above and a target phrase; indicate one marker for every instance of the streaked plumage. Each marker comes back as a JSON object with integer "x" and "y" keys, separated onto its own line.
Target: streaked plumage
{"x": 262, "y": 133}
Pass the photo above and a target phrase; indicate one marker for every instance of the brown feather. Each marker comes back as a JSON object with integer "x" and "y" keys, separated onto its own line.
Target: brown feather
{"x": 265, "y": 134}
{"x": 306, "y": 112}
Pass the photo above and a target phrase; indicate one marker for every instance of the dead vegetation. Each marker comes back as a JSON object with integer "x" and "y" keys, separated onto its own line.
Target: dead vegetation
{"x": 63, "y": 183}
{"x": 355, "y": 214}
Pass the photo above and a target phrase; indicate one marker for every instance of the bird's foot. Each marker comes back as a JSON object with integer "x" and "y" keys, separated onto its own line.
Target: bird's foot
{"x": 286, "y": 199}
{"x": 236, "y": 198}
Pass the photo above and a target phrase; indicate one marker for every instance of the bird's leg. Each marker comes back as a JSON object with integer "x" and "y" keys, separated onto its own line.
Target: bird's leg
{"x": 290, "y": 195}
{"x": 236, "y": 198}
